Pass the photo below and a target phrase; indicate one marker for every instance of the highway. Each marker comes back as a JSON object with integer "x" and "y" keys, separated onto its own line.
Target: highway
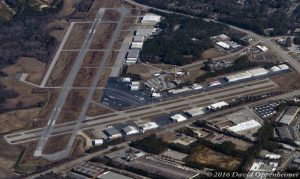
{"x": 67, "y": 86}
{"x": 147, "y": 112}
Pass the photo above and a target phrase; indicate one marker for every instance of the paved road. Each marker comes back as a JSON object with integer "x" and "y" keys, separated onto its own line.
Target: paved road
{"x": 67, "y": 86}
{"x": 142, "y": 112}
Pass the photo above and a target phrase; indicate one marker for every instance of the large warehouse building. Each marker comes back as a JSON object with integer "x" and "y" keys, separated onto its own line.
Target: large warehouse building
{"x": 289, "y": 115}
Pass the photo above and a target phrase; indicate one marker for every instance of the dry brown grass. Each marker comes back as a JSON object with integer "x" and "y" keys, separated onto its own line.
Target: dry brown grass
{"x": 103, "y": 35}
{"x": 77, "y": 36}
{"x": 85, "y": 77}
{"x": 111, "y": 15}
{"x": 206, "y": 156}
{"x": 62, "y": 69}
{"x": 92, "y": 59}
{"x": 56, "y": 143}
{"x": 211, "y": 53}
{"x": 95, "y": 110}
{"x": 104, "y": 77}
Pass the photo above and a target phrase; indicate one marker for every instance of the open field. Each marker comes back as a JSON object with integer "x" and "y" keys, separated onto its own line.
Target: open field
{"x": 85, "y": 77}
{"x": 62, "y": 69}
{"x": 95, "y": 110}
{"x": 16, "y": 120}
{"x": 32, "y": 66}
{"x": 128, "y": 22}
{"x": 103, "y": 35}
{"x": 111, "y": 15}
{"x": 92, "y": 59}
{"x": 211, "y": 53}
{"x": 215, "y": 158}
{"x": 112, "y": 59}
{"x": 77, "y": 36}
{"x": 104, "y": 78}
{"x": 288, "y": 81}
{"x": 75, "y": 100}
{"x": 56, "y": 143}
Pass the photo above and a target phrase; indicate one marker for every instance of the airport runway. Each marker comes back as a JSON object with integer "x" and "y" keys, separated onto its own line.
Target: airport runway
{"x": 148, "y": 111}
{"x": 67, "y": 86}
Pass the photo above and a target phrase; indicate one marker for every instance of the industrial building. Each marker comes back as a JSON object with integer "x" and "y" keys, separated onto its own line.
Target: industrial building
{"x": 264, "y": 166}
{"x": 112, "y": 133}
{"x": 223, "y": 45}
{"x": 86, "y": 170}
{"x": 195, "y": 112}
{"x": 138, "y": 38}
{"x": 238, "y": 76}
{"x": 156, "y": 95}
{"x": 148, "y": 126}
{"x": 196, "y": 86}
{"x": 244, "y": 126}
{"x": 132, "y": 56}
{"x": 136, "y": 45}
{"x": 288, "y": 132}
{"x": 181, "y": 90}
{"x": 112, "y": 175}
{"x": 185, "y": 140}
{"x": 130, "y": 130}
{"x": 145, "y": 32}
{"x": 289, "y": 115}
{"x": 217, "y": 106}
{"x": 258, "y": 71}
{"x": 178, "y": 118}
{"x": 150, "y": 18}
{"x": 275, "y": 69}
{"x": 266, "y": 110}
{"x": 284, "y": 67}
{"x": 214, "y": 83}
{"x": 135, "y": 85}
{"x": 262, "y": 48}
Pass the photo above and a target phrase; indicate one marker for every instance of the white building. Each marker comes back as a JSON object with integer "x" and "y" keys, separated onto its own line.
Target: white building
{"x": 262, "y": 48}
{"x": 283, "y": 67}
{"x": 238, "y": 76}
{"x": 275, "y": 69}
{"x": 126, "y": 79}
{"x": 97, "y": 142}
{"x": 214, "y": 83}
{"x": 156, "y": 95}
{"x": 130, "y": 130}
{"x": 195, "y": 112}
{"x": 150, "y": 18}
{"x": 132, "y": 56}
{"x": 264, "y": 166}
{"x": 223, "y": 45}
{"x": 197, "y": 86}
{"x": 218, "y": 105}
{"x": 258, "y": 71}
{"x": 112, "y": 132}
{"x": 138, "y": 38}
{"x": 148, "y": 126}
{"x": 244, "y": 126}
{"x": 136, "y": 45}
{"x": 178, "y": 118}
{"x": 145, "y": 32}
{"x": 181, "y": 90}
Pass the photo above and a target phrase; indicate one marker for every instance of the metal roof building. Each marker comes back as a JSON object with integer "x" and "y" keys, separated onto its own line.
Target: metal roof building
{"x": 148, "y": 126}
{"x": 112, "y": 132}
{"x": 258, "y": 71}
{"x": 178, "y": 118}
{"x": 289, "y": 115}
{"x": 112, "y": 175}
{"x": 223, "y": 45}
{"x": 145, "y": 32}
{"x": 151, "y": 18}
{"x": 195, "y": 112}
{"x": 138, "y": 38}
{"x": 244, "y": 126}
{"x": 217, "y": 105}
{"x": 130, "y": 130}
{"x": 238, "y": 76}
{"x": 136, "y": 45}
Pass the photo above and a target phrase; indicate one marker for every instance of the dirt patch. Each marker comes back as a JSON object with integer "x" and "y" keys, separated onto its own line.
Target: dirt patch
{"x": 77, "y": 36}
{"x": 96, "y": 110}
{"x": 211, "y": 53}
{"x": 92, "y": 59}
{"x": 16, "y": 120}
{"x": 56, "y": 143}
{"x": 215, "y": 159}
{"x": 103, "y": 35}
{"x": 111, "y": 15}
{"x": 288, "y": 81}
{"x": 75, "y": 100}
{"x": 85, "y": 77}
{"x": 98, "y": 94}
{"x": 32, "y": 66}
{"x": 140, "y": 69}
{"x": 62, "y": 68}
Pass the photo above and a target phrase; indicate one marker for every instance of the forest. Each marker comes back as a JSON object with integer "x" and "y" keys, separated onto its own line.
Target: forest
{"x": 181, "y": 40}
